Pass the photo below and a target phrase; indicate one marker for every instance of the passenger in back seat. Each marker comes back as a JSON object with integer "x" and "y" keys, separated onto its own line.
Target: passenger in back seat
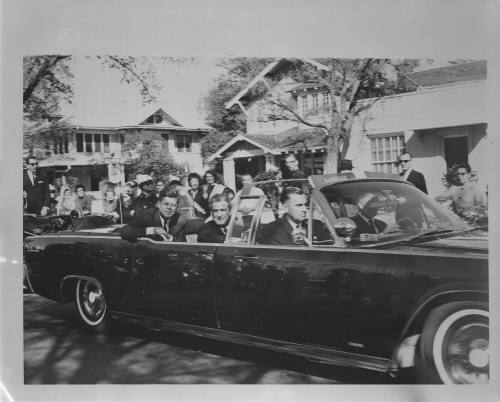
{"x": 215, "y": 230}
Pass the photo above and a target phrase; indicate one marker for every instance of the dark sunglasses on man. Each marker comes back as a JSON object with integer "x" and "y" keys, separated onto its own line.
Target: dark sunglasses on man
{"x": 148, "y": 183}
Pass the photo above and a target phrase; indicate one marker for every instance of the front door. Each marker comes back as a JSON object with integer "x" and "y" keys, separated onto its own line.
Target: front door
{"x": 173, "y": 281}
{"x": 456, "y": 150}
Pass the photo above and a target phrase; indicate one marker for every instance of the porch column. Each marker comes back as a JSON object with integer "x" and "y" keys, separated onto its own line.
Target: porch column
{"x": 229, "y": 174}
{"x": 271, "y": 163}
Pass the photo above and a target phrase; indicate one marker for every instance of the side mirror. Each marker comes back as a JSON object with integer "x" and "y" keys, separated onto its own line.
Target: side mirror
{"x": 345, "y": 227}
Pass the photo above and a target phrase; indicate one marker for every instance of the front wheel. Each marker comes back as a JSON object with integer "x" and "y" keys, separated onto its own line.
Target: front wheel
{"x": 454, "y": 346}
{"x": 91, "y": 305}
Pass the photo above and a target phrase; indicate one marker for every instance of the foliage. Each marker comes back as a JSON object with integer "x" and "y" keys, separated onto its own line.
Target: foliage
{"x": 47, "y": 82}
{"x": 214, "y": 140}
{"x": 348, "y": 81}
{"x": 149, "y": 157}
{"x": 268, "y": 175}
{"x": 238, "y": 73}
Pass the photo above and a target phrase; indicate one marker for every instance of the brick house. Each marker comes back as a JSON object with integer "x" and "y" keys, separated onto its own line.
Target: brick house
{"x": 442, "y": 123}
{"x": 87, "y": 154}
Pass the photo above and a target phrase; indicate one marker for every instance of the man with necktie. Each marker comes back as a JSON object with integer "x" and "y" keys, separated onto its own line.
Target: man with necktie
{"x": 164, "y": 220}
{"x": 291, "y": 228}
{"x": 37, "y": 190}
{"x": 410, "y": 174}
{"x": 369, "y": 204}
{"x": 215, "y": 231}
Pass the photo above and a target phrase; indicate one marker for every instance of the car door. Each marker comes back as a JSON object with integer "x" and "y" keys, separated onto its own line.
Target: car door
{"x": 322, "y": 294}
{"x": 113, "y": 259}
{"x": 173, "y": 281}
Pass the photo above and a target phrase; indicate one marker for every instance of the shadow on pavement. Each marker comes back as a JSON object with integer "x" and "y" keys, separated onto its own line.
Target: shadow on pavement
{"x": 135, "y": 355}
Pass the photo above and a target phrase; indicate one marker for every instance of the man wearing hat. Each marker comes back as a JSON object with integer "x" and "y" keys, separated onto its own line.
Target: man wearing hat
{"x": 147, "y": 199}
{"x": 345, "y": 168}
{"x": 369, "y": 204}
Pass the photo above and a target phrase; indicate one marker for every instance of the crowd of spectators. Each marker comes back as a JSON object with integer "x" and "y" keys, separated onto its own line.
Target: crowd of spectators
{"x": 194, "y": 192}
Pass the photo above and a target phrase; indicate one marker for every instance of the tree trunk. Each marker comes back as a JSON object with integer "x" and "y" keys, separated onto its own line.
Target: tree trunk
{"x": 331, "y": 158}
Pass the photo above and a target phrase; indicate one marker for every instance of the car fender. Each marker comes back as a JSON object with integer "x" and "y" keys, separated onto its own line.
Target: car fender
{"x": 404, "y": 352}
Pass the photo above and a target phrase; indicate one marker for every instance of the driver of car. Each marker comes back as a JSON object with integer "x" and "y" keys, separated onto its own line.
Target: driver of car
{"x": 291, "y": 228}
{"x": 369, "y": 205}
{"x": 164, "y": 220}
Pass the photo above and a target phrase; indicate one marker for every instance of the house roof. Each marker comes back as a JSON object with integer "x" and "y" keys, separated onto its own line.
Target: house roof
{"x": 108, "y": 121}
{"x": 306, "y": 85}
{"x": 274, "y": 65}
{"x": 291, "y": 140}
{"x": 164, "y": 115}
{"x": 473, "y": 71}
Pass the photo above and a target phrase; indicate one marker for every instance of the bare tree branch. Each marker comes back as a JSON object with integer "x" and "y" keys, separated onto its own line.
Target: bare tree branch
{"x": 296, "y": 116}
{"x": 127, "y": 67}
{"x": 46, "y": 67}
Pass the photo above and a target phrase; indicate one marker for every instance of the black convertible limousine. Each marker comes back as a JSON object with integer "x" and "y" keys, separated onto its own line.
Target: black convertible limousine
{"x": 414, "y": 295}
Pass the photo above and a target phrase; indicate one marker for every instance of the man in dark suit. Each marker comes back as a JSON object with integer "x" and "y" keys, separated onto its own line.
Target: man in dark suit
{"x": 291, "y": 229}
{"x": 147, "y": 199}
{"x": 369, "y": 205}
{"x": 215, "y": 231}
{"x": 409, "y": 174}
{"x": 37, "y": 190}
{"x": 164, "y": 220}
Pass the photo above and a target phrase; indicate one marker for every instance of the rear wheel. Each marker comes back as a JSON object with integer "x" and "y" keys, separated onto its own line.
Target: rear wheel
{"x": 91, "y": 305}
{"x": 454, "y": 346}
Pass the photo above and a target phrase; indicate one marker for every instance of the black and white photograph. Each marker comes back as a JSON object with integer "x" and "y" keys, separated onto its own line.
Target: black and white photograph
{"x": 278, "y": 218}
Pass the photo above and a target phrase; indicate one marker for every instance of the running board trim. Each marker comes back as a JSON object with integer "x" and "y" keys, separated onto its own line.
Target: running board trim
{"x": 310, "y": 352}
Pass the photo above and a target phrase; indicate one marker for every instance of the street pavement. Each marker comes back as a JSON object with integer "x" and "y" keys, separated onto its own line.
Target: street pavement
{"x": 58, "y": 350}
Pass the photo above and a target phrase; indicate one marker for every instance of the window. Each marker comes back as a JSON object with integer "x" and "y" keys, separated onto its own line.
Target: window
{"x": 88, "y": 142}
{"x": 60, "y": 145}
{"x": 326, "y": 98}
{"x": 94, "y": 143}
{"x": 183, "y": 143}
{"x": 315, "y": 104}
{"x": 305, "y": 106}
{"x": 97, "y": 142}
{"x": 79, "y": 142}
{"x": 105, "y": 140}
{"x": 385, "y": 151}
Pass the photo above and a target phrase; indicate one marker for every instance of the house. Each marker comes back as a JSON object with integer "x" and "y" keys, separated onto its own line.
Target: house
{"x": 442, "y": 123}
{"x": 88, "y": 153}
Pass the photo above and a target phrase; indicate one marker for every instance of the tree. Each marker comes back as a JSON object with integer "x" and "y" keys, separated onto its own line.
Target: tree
{"x": 214, "y": 140}
{"x": 150, "y": 157}
{"x": 47, "y": 82}
{"x": 238, "y": 73}
{"x": 348, "y": 81}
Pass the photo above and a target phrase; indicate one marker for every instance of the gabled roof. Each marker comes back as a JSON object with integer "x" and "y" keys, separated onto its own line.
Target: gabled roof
{"x": 245, "y": 138}
{"x": 473, "y": 71}
{"x": 307, "y": 85}
{"x": 166, "y": 119}
{"x": 274, "y": 65}
{"x": 293, "y": 139}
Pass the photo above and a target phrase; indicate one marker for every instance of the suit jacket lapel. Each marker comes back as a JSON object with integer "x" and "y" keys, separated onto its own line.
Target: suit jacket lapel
{"x": 288, "y": 228}
{"x": 156, "y": 219}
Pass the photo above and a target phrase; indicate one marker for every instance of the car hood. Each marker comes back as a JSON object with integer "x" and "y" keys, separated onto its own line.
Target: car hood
{"x": 472, "y": 242}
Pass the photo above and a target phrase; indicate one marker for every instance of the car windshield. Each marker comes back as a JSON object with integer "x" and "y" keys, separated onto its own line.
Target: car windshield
{"x": 387, "y": 210}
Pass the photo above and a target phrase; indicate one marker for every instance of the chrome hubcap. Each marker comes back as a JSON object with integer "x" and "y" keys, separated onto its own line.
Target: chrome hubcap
{"x": 93, "y": 300}
{"x": 466, "y": 356}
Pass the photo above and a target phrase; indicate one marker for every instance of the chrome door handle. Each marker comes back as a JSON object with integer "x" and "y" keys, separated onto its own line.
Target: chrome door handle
{"x": 173, "y": 255}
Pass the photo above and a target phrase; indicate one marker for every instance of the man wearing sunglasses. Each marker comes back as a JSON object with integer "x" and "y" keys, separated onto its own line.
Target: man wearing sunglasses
{"x": 37, "y": 190}
{"x": 147, "y": 199}
{"x": 409, "y": 174}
